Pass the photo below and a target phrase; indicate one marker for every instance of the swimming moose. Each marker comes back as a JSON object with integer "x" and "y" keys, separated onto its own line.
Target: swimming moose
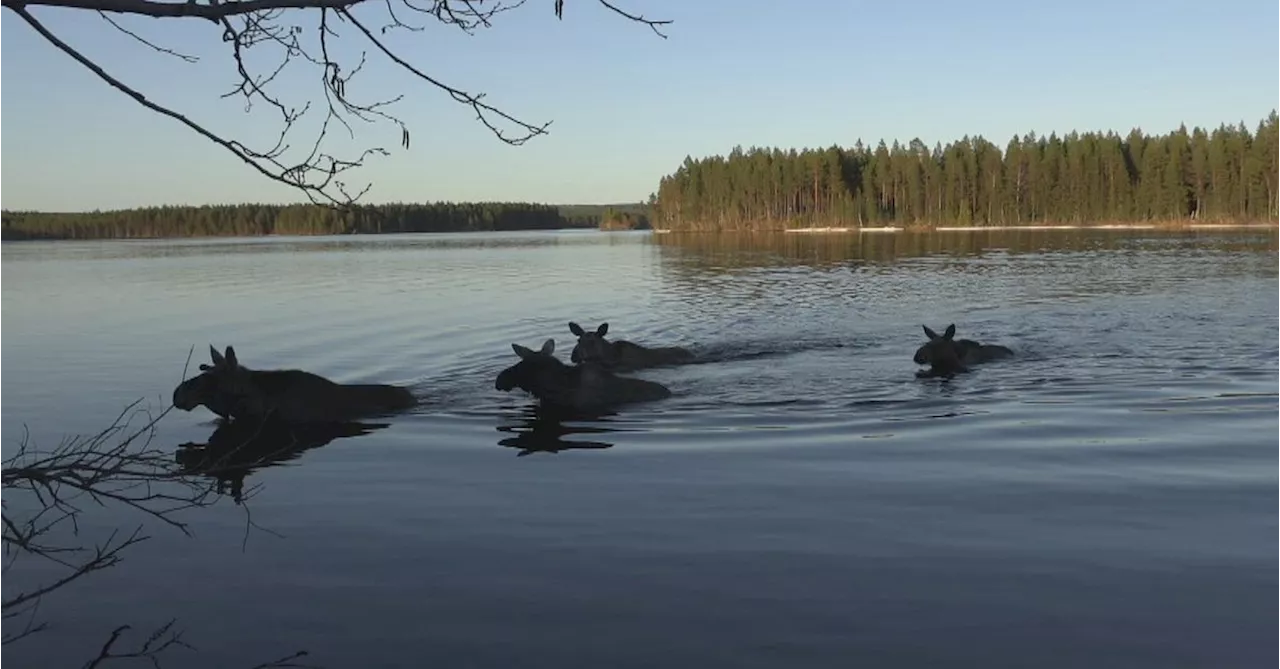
{"x": 232, "y": 390}
{"x": 621, "y": 355}
{"x": 947, "y": 356}
{"x": 584, "y": 387}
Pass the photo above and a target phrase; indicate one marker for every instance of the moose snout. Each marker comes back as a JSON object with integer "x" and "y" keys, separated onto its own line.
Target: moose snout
{"x": 505, "y": 382}
{"x": 182, "y": 401}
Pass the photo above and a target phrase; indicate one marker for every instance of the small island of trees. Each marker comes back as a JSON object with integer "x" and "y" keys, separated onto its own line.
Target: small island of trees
{"x": 616, "y": 219}
{"x": 1227, "y": 175}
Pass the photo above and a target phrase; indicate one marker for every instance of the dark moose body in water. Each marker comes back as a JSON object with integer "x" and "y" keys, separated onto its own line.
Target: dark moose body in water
{"x": 588, "y": 386}
{"x": 1104, "y": 497}
{"x": 232, "y": 390}
{"x": 947, "y": 356}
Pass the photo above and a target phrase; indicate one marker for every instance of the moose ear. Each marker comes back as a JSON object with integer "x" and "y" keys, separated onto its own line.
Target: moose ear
{"x": 929, "y": 333}
{"x": 548, "y": 347}
{"x": 231, "y": 357}
{"x": 522, "y": 351}
{"x": 576, "y": 329}
{"x": 604, "y": 327}
{"x": 951, "y": 331}
{"x": 215, "y": 356}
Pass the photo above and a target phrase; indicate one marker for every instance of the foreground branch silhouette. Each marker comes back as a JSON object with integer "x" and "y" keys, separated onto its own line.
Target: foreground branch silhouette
{"x": 305, "y": 31}
{"x": 115, "y": 467}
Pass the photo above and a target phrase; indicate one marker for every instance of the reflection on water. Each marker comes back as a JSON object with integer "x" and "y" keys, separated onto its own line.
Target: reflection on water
{"x": 237, "y": 448}
{"x": 539, "y": 429}
{"x": 1107, "y": 494}
{"x": 779, "y": 249}
{"x": 294, "y": 245}
{"x": 828, "y": 283}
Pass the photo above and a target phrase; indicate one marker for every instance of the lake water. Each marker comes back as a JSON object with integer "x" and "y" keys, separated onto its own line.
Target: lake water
{"x": 1108, "y": 497}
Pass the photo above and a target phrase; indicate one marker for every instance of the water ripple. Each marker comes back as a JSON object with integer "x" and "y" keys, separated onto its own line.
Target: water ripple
{"x": 802, "y": 499}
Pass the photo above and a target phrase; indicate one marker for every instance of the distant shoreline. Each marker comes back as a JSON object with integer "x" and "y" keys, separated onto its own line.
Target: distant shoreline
{"x": 263, "y": 220}
{"x": 823, "y": 230}
{"x": 301, "y": 235}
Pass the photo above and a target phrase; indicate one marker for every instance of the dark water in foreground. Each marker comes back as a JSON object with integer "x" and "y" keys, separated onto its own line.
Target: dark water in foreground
{"x": 1108, "y": 498}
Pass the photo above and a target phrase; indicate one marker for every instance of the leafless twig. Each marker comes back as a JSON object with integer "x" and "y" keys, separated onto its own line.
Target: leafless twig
{"x": 160, "y": 640}
{"x": 144, "y": 41}
{"x": 117, "y": 466}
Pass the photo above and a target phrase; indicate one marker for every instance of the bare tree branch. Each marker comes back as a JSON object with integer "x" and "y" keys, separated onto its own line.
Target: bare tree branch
{"x": 292, "y": 176}
{"x": 117, "y": 466}
{"x": 463, "y": 97}
{"x": 249, "y": 24}
{"x": 214, "y": 12}
{"x": 162, "y": 639}
{"x": 638, "y": 18}
{"x": 285, "y": 662}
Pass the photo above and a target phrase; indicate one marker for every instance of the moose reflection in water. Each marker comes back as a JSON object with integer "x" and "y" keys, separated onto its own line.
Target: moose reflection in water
{"x": 239, "y": 447}
{"x": 541, "y": 429}
{"x": 586, "y": 386}
{"x": 621, "y": 355}
{"x": 232, "y": 390}
{"x": 947, "y": 356}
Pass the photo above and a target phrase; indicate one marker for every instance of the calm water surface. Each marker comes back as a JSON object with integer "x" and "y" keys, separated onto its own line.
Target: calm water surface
{"x": 1106, "y": 498}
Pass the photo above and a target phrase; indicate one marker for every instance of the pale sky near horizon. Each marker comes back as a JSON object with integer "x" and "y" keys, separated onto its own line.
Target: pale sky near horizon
{"x": 627, "y": 105}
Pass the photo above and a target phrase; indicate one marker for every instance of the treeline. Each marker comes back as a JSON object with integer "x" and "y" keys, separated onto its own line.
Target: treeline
{"x": 298, "y": 219}
{"x": 615, "y": 219}
{"x": 604, "y": 216}
{"x": 1227, "y": 174}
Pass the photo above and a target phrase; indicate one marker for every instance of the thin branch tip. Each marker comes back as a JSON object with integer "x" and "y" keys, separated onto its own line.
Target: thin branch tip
{"x": 245, "y": 25}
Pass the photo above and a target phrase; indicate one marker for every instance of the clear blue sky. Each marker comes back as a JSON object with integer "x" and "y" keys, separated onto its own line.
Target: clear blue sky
{"x": 628, "y": 106}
